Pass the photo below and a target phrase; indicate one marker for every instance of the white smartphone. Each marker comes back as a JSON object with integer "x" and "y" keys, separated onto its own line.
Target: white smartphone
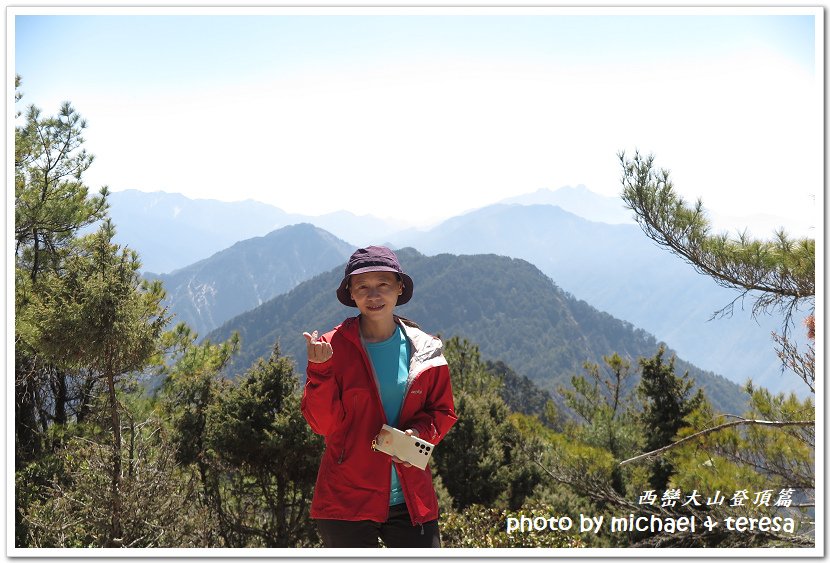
{"x": 408, "y": 448}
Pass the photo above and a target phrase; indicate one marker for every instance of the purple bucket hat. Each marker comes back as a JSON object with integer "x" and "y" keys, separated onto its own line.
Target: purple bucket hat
{"x": 373, "y": 259}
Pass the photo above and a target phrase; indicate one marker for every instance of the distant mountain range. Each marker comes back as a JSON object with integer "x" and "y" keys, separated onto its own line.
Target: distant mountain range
{"x": 239, "y": 278}
{"x": 507, "y": 306}
{"x": 171, "y": 231}
{"x": 185, "y": 231}
{"x": 614, "y": 267}
{"x": 580, "y": 201}
{"x": 617, "y": 269}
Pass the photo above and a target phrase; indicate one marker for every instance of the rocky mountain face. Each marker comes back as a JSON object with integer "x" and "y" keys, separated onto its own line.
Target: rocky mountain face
{"x": 206, "y": 294}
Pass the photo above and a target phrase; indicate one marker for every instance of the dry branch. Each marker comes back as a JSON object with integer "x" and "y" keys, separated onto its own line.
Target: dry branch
{"x": 771, "y": 423}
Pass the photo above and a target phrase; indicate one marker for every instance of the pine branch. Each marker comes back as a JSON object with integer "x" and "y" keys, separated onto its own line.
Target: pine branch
{"x": 781, "y": 270}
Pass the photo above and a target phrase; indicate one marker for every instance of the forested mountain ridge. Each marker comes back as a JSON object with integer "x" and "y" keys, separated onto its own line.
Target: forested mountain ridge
{"x": 514, "y": 312}
{"x": 239, "y": 278}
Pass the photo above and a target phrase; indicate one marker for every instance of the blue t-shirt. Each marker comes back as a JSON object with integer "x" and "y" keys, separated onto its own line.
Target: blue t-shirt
{"x": 390, "y": 359}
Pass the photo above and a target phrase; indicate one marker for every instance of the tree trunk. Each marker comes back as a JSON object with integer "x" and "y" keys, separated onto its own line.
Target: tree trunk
{"x": 61, "y": 396}
{"x": 86, "y": 399}
{"x": 27, "y": 438}
{"x": 282, "y": 524}
{"x": 116, "y": 533}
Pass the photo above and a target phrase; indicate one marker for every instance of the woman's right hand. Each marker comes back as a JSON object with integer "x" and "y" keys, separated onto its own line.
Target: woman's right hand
{"x": 318, "y": 351}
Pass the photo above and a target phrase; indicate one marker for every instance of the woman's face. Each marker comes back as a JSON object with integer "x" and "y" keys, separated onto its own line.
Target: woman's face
{"x": 375, "y": 293}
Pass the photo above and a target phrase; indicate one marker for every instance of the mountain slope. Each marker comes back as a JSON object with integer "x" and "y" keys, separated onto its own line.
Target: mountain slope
{"x": 507, "y": 306}
{"x": 239, "y": 278}
{"x": 617, "y": 269}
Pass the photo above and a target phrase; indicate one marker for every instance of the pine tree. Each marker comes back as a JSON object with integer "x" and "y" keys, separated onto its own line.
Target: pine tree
{"x": 51, "y": 201}
{"x": 51, "y": 205}
{"x": 99, "y": 316}
{"x": 259, "y": 459}
{"x": 667, "y": 400}
{"x": 481, "y": 461}
{"x": 605, "y": 402}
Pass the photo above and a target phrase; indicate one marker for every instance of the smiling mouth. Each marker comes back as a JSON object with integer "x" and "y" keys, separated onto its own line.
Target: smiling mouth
{"x": 375, "y": 307}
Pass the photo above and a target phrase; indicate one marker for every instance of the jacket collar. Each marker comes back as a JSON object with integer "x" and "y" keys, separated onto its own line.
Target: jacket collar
{"x": 426, "y": 349}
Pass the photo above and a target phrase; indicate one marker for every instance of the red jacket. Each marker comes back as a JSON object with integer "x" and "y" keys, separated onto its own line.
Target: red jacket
{"x": 341, "y": 401}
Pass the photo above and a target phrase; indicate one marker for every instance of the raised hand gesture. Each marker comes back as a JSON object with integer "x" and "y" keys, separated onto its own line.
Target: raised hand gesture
{"x": 318, "y": 351}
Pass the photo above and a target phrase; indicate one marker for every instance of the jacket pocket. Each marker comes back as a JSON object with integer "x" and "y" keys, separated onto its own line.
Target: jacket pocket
{"x": 355, "y": 405}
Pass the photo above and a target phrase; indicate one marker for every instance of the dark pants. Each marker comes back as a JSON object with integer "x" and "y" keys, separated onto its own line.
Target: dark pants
{"x": 397, "y": 531}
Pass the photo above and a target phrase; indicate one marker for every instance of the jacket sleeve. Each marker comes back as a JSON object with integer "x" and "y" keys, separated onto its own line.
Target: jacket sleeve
{"x": 321, "y": 405}
{"x": 438, "y": 415}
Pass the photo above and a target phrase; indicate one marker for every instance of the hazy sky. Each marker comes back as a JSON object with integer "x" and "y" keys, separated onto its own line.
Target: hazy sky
{"x": 423, "y": 113}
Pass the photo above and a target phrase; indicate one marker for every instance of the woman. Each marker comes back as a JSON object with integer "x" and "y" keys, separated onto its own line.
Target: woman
{"x": 376, "y": 368}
